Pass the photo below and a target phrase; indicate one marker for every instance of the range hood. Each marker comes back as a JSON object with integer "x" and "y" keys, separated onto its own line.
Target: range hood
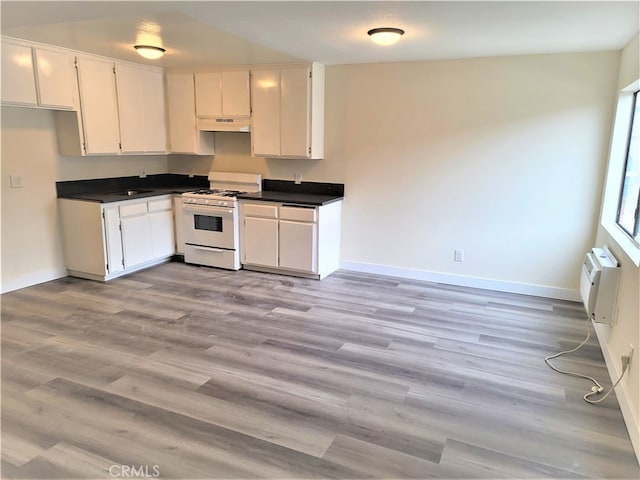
{"x": 224, "y": 124}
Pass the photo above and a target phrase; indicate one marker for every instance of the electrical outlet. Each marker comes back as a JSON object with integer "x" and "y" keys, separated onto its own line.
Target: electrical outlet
{"x": 458, "y": 255}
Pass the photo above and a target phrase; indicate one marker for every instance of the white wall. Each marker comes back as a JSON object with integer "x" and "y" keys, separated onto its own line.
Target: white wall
{"x": 615, "y": 340}
{"x": 502, "y": 157}
{"x": 31, "y": 244}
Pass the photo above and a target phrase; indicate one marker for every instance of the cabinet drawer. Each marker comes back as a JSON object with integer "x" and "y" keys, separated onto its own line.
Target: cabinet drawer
{"x": 160, "y": 205}
{"x": 132, "y": 209}
{"x": 264, "y": 211}
{"x": 298, "y": 214}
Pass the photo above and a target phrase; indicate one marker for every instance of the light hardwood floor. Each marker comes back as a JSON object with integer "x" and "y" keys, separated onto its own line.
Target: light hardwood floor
{"x": 191, "y": 372}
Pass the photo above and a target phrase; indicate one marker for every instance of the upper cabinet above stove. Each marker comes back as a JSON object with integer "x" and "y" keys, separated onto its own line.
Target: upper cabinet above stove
{"x": 288, "y": 111}
{"x": 223, "y": 94}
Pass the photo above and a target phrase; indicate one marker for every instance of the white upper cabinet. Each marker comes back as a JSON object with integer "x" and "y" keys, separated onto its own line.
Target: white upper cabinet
{"x": 99, "y": 105}
{"x": 33, "y": 76}
{"x": 295, "y": 112}
{"x": 121, "y": 110}
{"x": 288, "y": 111}
{"x": 265, "y": 114}
{"x": 141, "y": 109}
{"x": 223, "y": 94}
{"x": 56, "y": 79}
{"x": 184, "y": 136}
{"x": 18, "y": 80}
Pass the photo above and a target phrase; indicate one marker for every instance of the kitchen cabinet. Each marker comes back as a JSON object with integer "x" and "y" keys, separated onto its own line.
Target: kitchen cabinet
{"x": 223, "y": 94}
{"x": 292, "y": 239}
{"x": 178, "y": 224}
{"x": 114, "y": 254}
{"x": 135, "y": 233}
{"x": 96, "y": 81}
{"x": 161, "y": 228}
{"x": 259, "y": 236}
{"x": 141, "y": 109}
{"x": 18, "y": 80}
{"x": 298, "y": 239}
{"x": 121, "y": 110}
{"x": 288, "y": 111}
{"x": 56, "y": 79}
{"x": 34, "y": 76}
{"x": 104, "y": 241}
{"x": 184, "y": 136}
{"x": 95, "y": 130}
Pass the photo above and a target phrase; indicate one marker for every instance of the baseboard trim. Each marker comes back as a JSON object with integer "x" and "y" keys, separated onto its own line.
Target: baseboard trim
{"x": 621, "y": 391}
{"x": 464, "y": 281}
{"x": 32, "y": 279}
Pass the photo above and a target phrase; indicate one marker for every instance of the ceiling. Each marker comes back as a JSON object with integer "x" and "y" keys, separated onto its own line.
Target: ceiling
{"x": 330, "y": 32}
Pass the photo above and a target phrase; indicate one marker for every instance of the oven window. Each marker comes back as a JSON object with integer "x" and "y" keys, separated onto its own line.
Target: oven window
{"x": 207, "y": 222}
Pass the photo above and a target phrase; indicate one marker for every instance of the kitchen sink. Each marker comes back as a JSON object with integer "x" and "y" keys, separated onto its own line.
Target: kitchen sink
{"x": 130, "y": 193}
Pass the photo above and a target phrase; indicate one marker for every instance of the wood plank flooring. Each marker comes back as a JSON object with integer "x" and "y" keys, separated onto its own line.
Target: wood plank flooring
{"x": 192, "y": 372}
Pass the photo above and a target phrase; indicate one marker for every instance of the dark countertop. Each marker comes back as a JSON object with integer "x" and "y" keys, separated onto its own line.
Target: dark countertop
{"x": 305, "y": 193}
{"x": 291, "y": 197}
{"x": 106, "y": 190}
{"x": 119, "y": 196}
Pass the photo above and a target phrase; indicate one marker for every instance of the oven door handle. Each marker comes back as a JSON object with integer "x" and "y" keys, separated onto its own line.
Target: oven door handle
{"x": 208, "y": 249}
{"x": 208, "y": 209}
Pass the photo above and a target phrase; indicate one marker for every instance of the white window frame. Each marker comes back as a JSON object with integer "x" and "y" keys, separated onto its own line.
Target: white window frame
{"x": 615, "y": 171}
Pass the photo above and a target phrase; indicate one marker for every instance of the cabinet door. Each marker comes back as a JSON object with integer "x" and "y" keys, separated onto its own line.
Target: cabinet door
{"x": 154, "y": 111}
{"x": 182, "y": 119}
{"x": 136, "y": 240}
{"x": 18, "y": 79}
{"x": 260, "y": 241}
{"x": 57, "y": 80}
{"x": 99, "y": 106}
{"x": 265, "y": 128}
{"x": 178, "y": 222}
{"x": 208, "y": 88}
{"x": 295, "y": 94}
{"x": 235, "y": 93}
{"x": 131, "y": 109}
{"x": 161, "y": 227}
{"x": 298, "y": 246}
{"x": 113, "y": 240}
{"x": 141, "y": 109}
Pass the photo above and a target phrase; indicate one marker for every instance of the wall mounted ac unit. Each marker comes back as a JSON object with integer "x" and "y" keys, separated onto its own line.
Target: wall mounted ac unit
{"x": 599, "y": 284}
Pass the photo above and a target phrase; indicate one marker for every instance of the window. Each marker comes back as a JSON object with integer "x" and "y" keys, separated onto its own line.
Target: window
{"x": 629, "y": 203}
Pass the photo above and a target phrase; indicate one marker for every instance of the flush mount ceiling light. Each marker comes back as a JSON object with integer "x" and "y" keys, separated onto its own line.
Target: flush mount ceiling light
{"x": 149, "y": 51}
{"x": 385, "y": 35}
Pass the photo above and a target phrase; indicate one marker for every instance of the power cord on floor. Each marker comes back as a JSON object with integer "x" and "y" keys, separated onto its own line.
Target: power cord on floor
{"x": 597, "y": 388}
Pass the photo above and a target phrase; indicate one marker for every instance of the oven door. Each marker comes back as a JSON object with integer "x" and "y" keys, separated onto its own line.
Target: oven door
{"x": 210, "y": 226}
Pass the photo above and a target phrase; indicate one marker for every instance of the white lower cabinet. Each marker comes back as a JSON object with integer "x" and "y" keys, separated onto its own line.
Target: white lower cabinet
{"x": 298, "y": 246}
{"x": 105, "y": 241}
{"x": 294, "y": 239}
{"x": 261, "y": 241}
{"x": 177, "y": 223}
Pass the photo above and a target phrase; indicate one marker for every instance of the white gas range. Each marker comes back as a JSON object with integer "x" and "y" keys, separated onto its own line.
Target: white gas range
{"x": 211, "y": 227}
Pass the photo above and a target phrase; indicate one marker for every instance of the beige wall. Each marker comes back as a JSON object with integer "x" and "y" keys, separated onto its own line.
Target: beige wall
{"x": 31, "y": 249}
{"x": 615, "y": 340}
{"x": 502, "y": 157}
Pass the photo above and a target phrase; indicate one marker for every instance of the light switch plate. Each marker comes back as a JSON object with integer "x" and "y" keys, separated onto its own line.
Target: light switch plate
{"x": 15, "y": 181}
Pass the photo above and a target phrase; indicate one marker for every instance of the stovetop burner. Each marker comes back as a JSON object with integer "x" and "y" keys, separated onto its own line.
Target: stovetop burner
{"x": 217, "y": 192}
